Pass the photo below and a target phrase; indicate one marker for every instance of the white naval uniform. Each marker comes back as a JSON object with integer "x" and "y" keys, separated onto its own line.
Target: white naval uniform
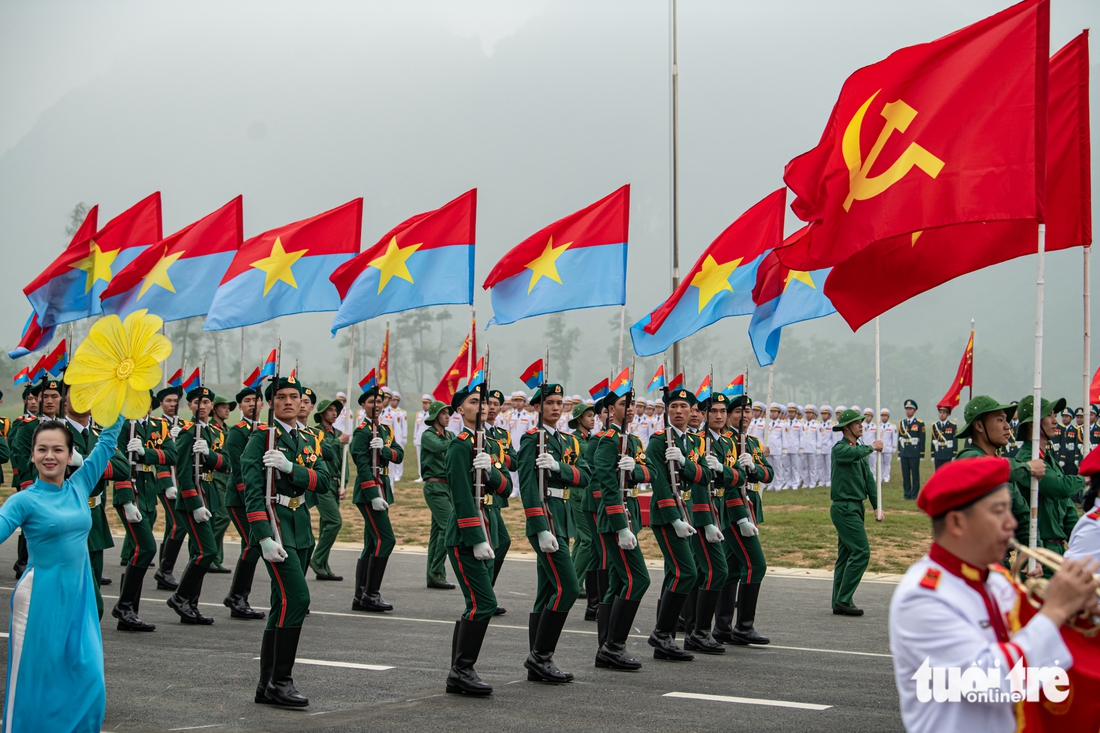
{"x": 1084, "y": 541}
{"x": 937, "y": 615}
{"x": 867, "y": 438}
{"x": 888, "y": 433}
{"x": 418, "y": 431}
{"x": 811, "y": 432}
{"x": 826, "y": 439}
{"x": 401, "y": 436}
{"x": 775, "y": 447}
{"x": 756, "y": 429}
{"x": 792, "y": 442}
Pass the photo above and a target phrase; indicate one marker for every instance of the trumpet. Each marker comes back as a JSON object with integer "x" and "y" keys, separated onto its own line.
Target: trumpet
{"x": 1035, "y": 588}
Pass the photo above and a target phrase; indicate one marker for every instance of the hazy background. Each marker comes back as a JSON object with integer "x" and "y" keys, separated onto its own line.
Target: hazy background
{"x": 544, "y": 106}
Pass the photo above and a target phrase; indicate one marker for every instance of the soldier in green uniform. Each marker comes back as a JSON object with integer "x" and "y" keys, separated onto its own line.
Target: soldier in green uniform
{"x": 294, "y": 470}
{"x": 48, "y": 395}
{"x": 437, "y": 495}
{"x": 199, "y": 453}
{"x": 588, "y": 560}
{"x": 944, "y": 438}
{"x": 236, "y": 439}
{"x": 30, "y": 413}
{"x": 986, "y": 423}
{"x": 316, "y": 444}
{"x": 546, "y": 477}
{"x": 220, "y": 521}
{"x": 5, "y": 447}
{"x": 373, "y": 449}
{"x": 744, "y": 555}
{"x": 1013, "y": 446}
{"x": 467, "y": 540}
{"x": 671, "y": 508}
{"x": 1056, "y": 489}
{"x": 910, "y": 450}
{"x": 616, "y": 521}
{"x": 329, "y": 520}
{"x": 150, "y": 451}
{"x": 852, "y": 484}
{"x": 504, "y": 454}
{"x": 175, "y": 521}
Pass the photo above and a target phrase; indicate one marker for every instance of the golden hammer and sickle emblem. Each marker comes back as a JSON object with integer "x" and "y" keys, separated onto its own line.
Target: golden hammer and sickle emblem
{"x": 898, "y": 116}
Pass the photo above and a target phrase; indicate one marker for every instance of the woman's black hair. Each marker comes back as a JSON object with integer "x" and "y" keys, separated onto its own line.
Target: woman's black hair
{"x": 45, "y": 424}
{"x": 1088, "y": 501}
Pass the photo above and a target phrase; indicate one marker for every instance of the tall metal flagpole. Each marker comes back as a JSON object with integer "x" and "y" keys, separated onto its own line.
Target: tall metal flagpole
{"x": 1086, "y": 439}
{"x": 241, "y": 377}
{"x": 470, "y": 347}
{"x": 675, "y": 182}
{"x": 878, "y": 416}
{"x": 1037, "y": 392}
{"x": 971, "y": 396}
{"x": 349, "y": 423}
{"x": 622, "y": 327}
{"x": 767, "y": 403}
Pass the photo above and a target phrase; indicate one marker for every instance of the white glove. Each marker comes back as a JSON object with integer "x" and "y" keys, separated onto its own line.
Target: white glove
{"x": 745, "y": 460}
{"x": 482, "y": 462}
{"x": 133, "y": 515}
{"x": 747, "y": 528}
{"x": 174, "y": 432}
{"x": 136, "y": 447}
{"x": 627, "y": 540}
{"x": 272, "y": 550}
{"x": 714, "y": 535}
{"x": 626, "y": 463}
{"x": 170, "y": 493}
{"x": 379, "y": 504}
{"x": 76, "y": 460}
{"x": 482, "y": 551}
{"x": 201, "y": 446}
{"x": 275, "y": 459}
{"x": 202, "y": 514}
{"x": 548, "y": 543}
{"x": 683, "y": 529}
{"x": 672, "y": 453}
{"x": 377, "y": 443}
{"x": 713, "y": 463}
{"x": 545, "y": 460}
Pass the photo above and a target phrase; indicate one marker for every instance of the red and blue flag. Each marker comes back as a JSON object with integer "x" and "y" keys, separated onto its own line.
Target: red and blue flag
{"x": 368, "y": 382}
{"x": 677, "y": 382}
{"x": 479, "y": 374}
{"x": 703, "y": 393}
{"x": 533, "y": 375}
{"x": 658, "y": 380}
{"x": 176, "y": 380}
{"x": 194, "y": 381}
{"x": 268, "y": 368}
{"x": 34, "y": 338}
{"x": 601, "y": 390}
{"x": 735, "y": 387}
{"x": 253, "y": 380}
{"x": 621, "y": 384}
{"x": 23, "y": 376}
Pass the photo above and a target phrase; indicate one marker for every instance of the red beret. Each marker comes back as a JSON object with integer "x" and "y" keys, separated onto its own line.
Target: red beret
{"x": 1091, "y": 464}
{"x": 961, "y": 482}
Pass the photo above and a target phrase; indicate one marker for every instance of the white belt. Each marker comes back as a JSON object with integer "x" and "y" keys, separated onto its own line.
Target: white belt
{"x": 94, "y": 501}
{"x": 290, "y": 502}
{"x": 558, "y": 493}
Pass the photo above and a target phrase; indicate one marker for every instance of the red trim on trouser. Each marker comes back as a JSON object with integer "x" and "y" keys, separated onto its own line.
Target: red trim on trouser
{"x": 462, "y": 571}
{"x": 282, "y": 591}
{"x": 195, "y": 534}
{"x": 242, "y": 529}
{"x": 671, "y": 554}
{"x": 710, "y": 568}
{"x": 170, "y": 517}
{"x": 603, "y": 545}
{"x": 629, "y": 575}
{"x": 557, "y": 580}
{"x": 744, "y": 551}
{"x": 377, "y": 534}
{"x": 133, "y": 534}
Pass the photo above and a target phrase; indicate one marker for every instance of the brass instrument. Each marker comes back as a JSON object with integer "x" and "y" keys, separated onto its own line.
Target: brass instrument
{"x": 1084, "y": 623}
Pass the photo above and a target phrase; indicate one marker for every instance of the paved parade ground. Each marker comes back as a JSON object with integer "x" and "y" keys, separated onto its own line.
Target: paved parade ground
{"x": 368, "y": 672}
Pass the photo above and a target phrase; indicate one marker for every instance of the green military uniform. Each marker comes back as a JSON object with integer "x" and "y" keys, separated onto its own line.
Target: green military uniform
{"x": 175, "y": 521}
{"x": 910, "y": 452}
{"x": 329, "y": 520}
{"x": 680, "y": 574}
{"x": 149, "y": 478}
{"x": 852, "y": 484}
{"x": 220, "y": 522}
{"x": 5, "y": 447}
{"x": 1013, "y": 447}
{"x": 583, "y": 553}
{"x": 289, "y": 592}
{"x": 505, "y": 455}
{"x": 17, "y": 461}
{"x": 378, "y": 537}
{"x": 434, "y": 443}
{"x": 245, "y": 571}
{"x": 945, "y": 442}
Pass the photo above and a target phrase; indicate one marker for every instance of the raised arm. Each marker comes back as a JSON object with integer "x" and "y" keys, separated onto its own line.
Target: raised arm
{"x": 89, "y": 474}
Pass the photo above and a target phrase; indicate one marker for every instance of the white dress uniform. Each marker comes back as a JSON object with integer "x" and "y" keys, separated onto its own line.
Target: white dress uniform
{"x": 888, "y": 434}
{"x": 792, "y": 442}
{"x": 401, "y": 435}
{"x": 811, "y": 434}
{"x": 867, "y": 438}
{"x": 825, "y": 441}
{"x": 776, "y": 434}
{"x": 420, "y": 425}
{"x": 939, "y": 616}
{"x": 1084, "y": 541}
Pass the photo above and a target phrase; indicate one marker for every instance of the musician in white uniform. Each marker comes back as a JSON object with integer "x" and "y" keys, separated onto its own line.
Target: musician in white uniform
{"x": 953, "y": 607}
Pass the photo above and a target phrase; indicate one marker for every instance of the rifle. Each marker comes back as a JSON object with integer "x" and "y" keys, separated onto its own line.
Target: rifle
{"x": 708, "y": 449}
{"x": 744, "y": 441}
{"x": 479, "y": 447}
{"x": 198, "y": 436}
{"x": 133, "y": 461}
{"x": 269, "y": 478}
{"x": 624, "y": 446}
{"x": 673, "y": 468}
{"x": 543, "y": 495}
{"x": 375, "y": 453}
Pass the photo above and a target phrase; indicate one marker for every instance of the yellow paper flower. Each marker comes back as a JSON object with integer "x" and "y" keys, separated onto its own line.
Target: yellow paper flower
{"x": 114, "y": 368}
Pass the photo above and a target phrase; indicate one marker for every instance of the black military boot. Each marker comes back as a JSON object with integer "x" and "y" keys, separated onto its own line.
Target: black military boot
{"x": 723, "y": 614}
{"x": 372, "y": 599}
{"x": 360, "y": 584}
{"x": 592, "y": 595}
{"x": 603, "y": 618}
{"x": 686, "y": 622}
{"x": 663, "y": 638}
{"x": 540, "y": 662}
{"x": 280, "y": 688}
{"x": 462, "y": 679}
{"x": 239, "y": 588}
{"x": 743, "y": 632}
{"x": 700, "y": 640}
{"x": 613, "y": 653}
{"x": 532, "y": 629}
{"x": 182, "y": 600}
{"x": 267, "y": 657}
{"x": 126, "y": 608}
{"x": 169, "y": 551}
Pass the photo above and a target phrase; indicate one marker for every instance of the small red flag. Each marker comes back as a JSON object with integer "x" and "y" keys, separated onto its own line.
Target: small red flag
{"x": 447, "y": 386}
{"x": 384, "y": 361}
{"x": 964, "y": 377}
{"x": 1094, "y": 389}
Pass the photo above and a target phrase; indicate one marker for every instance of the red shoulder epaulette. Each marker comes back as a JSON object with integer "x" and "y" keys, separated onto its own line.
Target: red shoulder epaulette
{"x": 532, "y": 431}
{"x": 261, "y": 426}
{"x": 464, "y": 434}
{"x": 242, "y": 424}
{"x": 931, "y": 579}
{"x": 361, "y": 425}
{"x": 660, "y": 432}
{"x": 1094, "y": 515}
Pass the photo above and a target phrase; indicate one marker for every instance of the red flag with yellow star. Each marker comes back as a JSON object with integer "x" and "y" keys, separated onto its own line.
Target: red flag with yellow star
{"x": 576, "y": 262}
{"x": 286, "y": 270}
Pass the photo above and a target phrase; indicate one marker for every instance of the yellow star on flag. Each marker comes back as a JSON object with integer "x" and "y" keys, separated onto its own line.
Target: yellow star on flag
{"x": 713, "y": 278}
{"x": 800, "y": 275}
{"x": 278, "y": 266}
{"x": 158, "y": 275}
{"x": 97, "y": 264}
{"x": 392, "y": 262}
{"x": 544, "y": 265}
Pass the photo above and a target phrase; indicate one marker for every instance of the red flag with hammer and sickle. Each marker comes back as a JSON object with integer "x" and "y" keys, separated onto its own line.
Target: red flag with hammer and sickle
{"x": 942, "y": 133}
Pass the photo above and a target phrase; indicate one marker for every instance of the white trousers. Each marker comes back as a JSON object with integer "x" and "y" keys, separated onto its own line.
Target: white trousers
{"x": 824, "y": 469}
{"x": 794, "y": 470}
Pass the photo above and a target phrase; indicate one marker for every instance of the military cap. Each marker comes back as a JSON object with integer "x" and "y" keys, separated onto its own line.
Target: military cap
{"x": 55, "y": 384}
{"x": 979, "y": 406}
{"x": 1094, "y": 409}
{"x": 154, "y": 403}
{"x": 200, "y": 392}
{"x": 461, "y": 396}
{"x": 826, "y": 408}
{"x": 219, "y": 400}
{"x": 496, "y": 394}
{"x": 810, "y": 408}
{"x": 680, "y": 395}
{"x": 580, "y": 408}
{"x": 741, "y": 400}
{"x": 961, "y": 483}
{"x": 911, "y": 403}
{"x": 845, "y": 418}
{"x": 168, "y": 392}
{"x": 1067, "y": 412}
{"x": 884, "y": 411}
{"x": 856, "y": 408}
{"x": 946, "y": 408}
{"x": 239, "y": 397}
{"x": 1026, "y": 409}
{"x": 324, "y": 405}
{"x": 546, "y": 389}
{"x": 868, "y": 411}
{"x": 434, "y": 409}
{"x": 28, "y": 391}
{"x": 307, "y": 392}
{"x": 283, "y": 383}
{"x": 1078, "y": 411}
{"x": 715, "y": 399}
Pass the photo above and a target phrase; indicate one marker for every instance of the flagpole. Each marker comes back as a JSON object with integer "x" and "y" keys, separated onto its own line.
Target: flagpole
{"x": 470, "y": 348}
{"x": 1037, "y": 392}
{"x": 972, "y": 360}
{"x": 242, "y": 356}
{"x": 348, "y": 422}
{"x": 675, "y": 228}
{"x": 164, "y": 333}
{"x": 767, "y": 403}
{"x": 622, "y": 327}
{"x": 1087, "y": 438}
{"x": 876, "y": 421}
